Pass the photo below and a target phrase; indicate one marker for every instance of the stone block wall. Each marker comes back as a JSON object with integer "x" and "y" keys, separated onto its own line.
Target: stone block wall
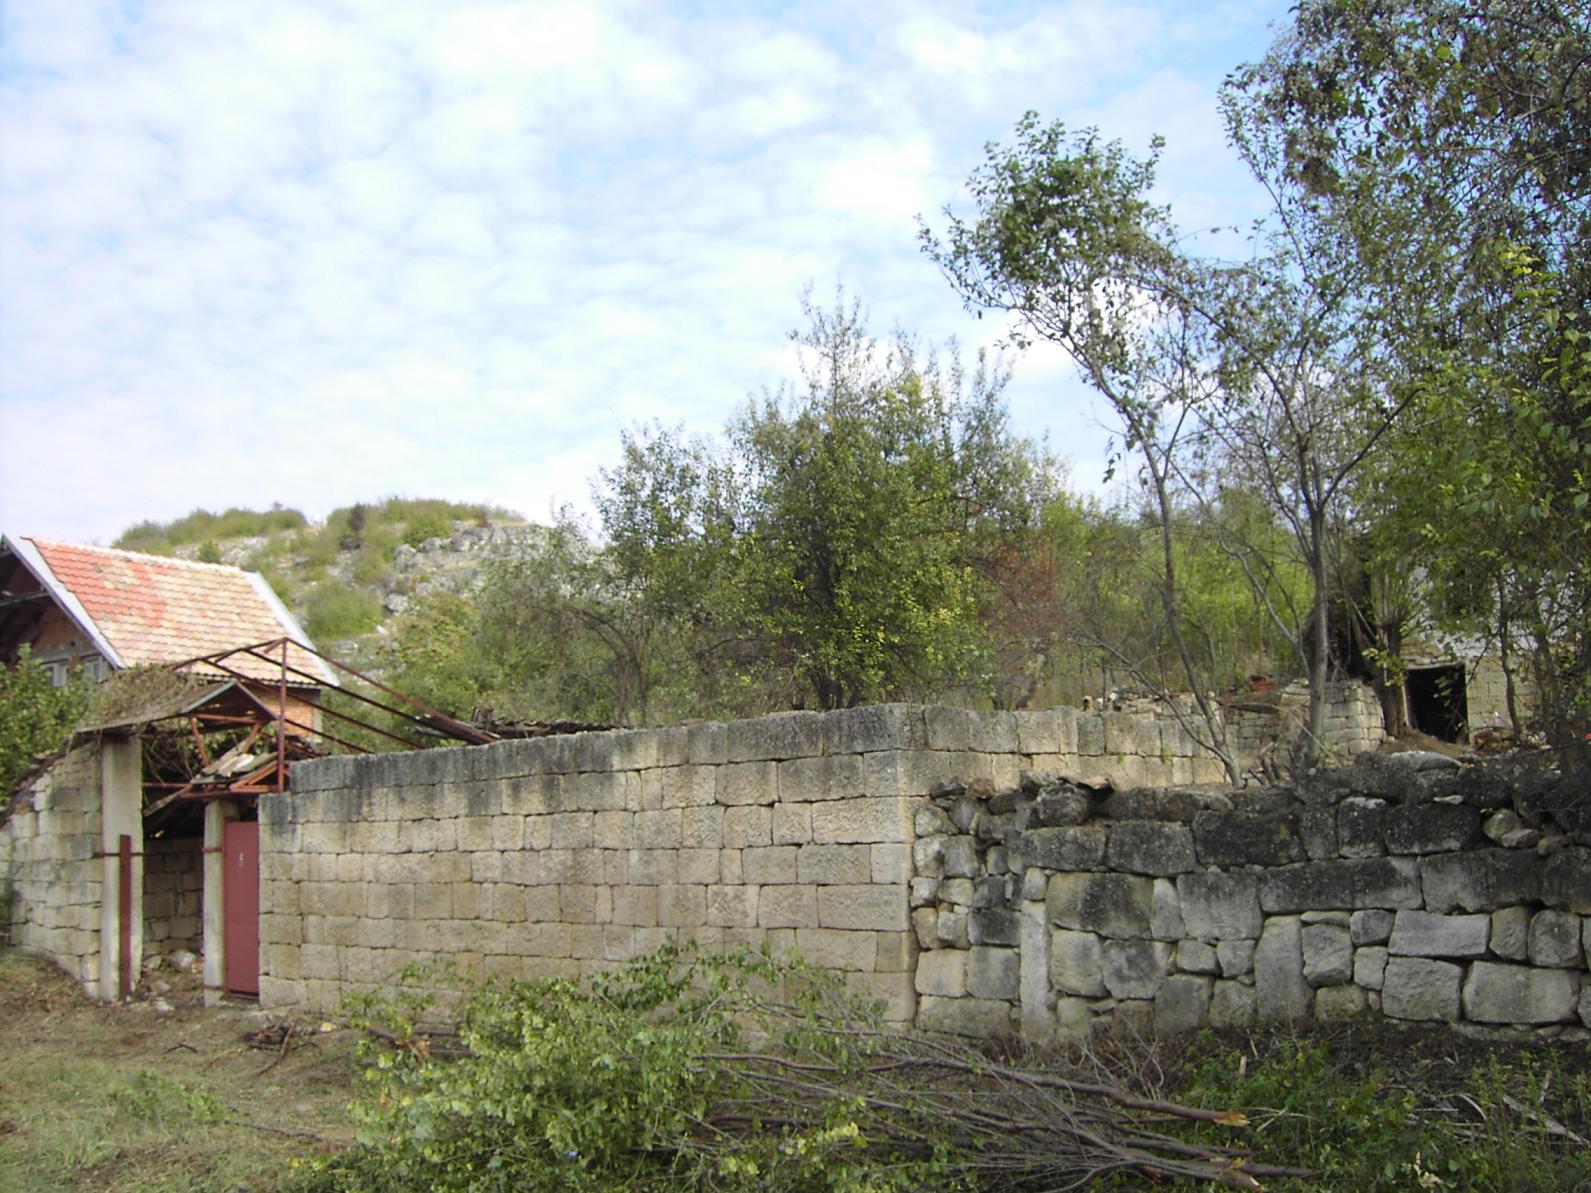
{"x": 562, "y": 855}
{"x": 1404, "y": 885}
{"x": 49, "y": 869}
{"x": 173, "y": 894}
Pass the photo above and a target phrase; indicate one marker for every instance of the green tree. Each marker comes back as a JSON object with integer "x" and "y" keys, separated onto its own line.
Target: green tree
{"x": 1449, "y": 141}
{"x": 35, "y": 718}
{"x": 866, "y": 508}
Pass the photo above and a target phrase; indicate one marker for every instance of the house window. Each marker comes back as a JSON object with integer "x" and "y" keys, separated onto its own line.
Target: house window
{"x": 56, "y": 670}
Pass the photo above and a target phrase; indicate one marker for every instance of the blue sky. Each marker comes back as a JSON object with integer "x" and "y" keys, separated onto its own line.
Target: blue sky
{"x": 322, "y": 251}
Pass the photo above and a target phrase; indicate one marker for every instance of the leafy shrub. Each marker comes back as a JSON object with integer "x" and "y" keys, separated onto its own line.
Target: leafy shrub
{"x": 34, "y": 717}
{"x": 336, "y": 611}
{"x": 627, "y": 1084}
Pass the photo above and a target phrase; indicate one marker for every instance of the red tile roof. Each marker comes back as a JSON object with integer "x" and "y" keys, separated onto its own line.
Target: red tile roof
{"x": 154, "y": 610}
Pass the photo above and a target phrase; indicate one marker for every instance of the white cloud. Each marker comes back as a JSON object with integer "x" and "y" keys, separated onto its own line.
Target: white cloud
{"x": 321, "y": 250}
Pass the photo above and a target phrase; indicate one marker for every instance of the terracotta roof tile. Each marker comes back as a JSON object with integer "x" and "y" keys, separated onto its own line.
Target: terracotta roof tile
{"x": 154, "y": 610}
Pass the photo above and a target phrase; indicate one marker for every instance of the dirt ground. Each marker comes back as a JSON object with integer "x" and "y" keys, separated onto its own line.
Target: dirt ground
{"x": 96, "y": 1097}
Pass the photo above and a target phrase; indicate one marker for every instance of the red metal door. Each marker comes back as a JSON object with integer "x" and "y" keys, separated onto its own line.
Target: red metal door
{"x": 240, "y": 893}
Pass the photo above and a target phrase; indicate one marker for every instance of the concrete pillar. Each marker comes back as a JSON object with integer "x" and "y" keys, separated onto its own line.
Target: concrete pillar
{"x": 121, "y": 788}
{"x": 213, "y": 902}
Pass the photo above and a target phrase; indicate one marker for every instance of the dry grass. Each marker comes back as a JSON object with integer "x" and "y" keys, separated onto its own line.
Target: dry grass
{"x": 96, "y": 1097}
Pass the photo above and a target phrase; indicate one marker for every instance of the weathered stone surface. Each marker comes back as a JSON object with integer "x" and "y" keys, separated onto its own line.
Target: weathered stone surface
{"x": 1165, "y": 912}
{"x": 1317, "y": 827}
{"x": 1151, "y": 847}
{"x": 1232, "y": 1004}
{"x": 1116, "y": 905}
{"x": 1373, "y": 925}
{"x": 995, "y": 925}
{"x": 1077, "y": 963}
{"x": 1431, "y": 828}
{"x": 1496, "y": 993}
{"x": 1416, "y": 988}
{"x": 979, "y": 1018}
{"x": 993, "y": 972}
{"x": 1388, "y": 882}
{"x": 1369, "y": 966}
{"x": 1246, "y": 838}
{"x": 1359, "y": 827}
{"x": 1077, "y": 847}
{"x": 1218, "y": 906}
{"x": 1339, "y": 1002}
{"x": 1390, "y": 776}
{"x": 1281, "y": 991}
{"x": 1060, "y": 806}
{"x": 1152, "y": 803}
{"x": 1421, "y": 934}
{"x": 1235, "y": 957}
{"x": 1480, "y": 880}
{"x": 1566, "y": 880}
{"x": 1554, "y": 940}
{"x": 960, "y": 857}
{"x": 1194, "y": 956}
{"x": 942, "y": 973}
{"x": 1328, "y": 954}
{"x": 1307, "y": 887}
{"x": 1135, "y": 968}
{"x": 1182, "y": 1004}
{"x": 1510, "y": 936}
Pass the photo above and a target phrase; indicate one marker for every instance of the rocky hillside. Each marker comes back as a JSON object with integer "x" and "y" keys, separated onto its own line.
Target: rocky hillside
{"x": 348, "y": 577}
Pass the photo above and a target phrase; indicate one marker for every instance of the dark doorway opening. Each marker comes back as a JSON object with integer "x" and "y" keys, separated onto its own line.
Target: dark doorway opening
{"x": 1436, "y": 701}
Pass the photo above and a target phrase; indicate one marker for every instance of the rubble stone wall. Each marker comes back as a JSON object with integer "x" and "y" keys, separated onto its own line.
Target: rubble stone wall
{"x": 562, "y": 855}
{"x": 48, "y": 869}
{"x": 173, "y": 894}
{"x": 1404, "y": 885}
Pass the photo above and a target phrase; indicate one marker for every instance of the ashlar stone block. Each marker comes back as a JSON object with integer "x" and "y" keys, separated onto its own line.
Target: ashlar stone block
{"x": 1151, "y": 847}
{"x": 1217, "y": 906}
{"x": 1281, "y": 990}
{"x": 1077, "y": 963}
{"x": 1135, "y": 968}
{"x": 1496, "y": 993}
{"x": 1421, "y": 989}
{"x": 1510, "y": 936}
{"x": 1421, "y": 934}
{"x": 1182, "y": 1003}
{"x": 1116, "y": 905}
{"x": 1328, "y": 954}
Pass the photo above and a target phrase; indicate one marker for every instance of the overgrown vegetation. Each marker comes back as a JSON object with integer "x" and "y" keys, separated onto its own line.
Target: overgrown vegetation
{"x": 35, "y": 718}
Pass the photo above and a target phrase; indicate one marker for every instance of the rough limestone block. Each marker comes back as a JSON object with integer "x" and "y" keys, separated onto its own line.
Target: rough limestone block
{"x": 783, "y": 735}
{"x": 994, "y": 925}
{"x": 1421, "y": 934}
{"x": 1281, "y": 990}
{"x": 1328, "y": 954}
{"x": 1135, "y": 968}
{"x": 1090, "y": 735}
{"x": 993, "y": 733}
{"x": 1217, "y": 906}
{"x": 732, "y": 906}
{"x": 1430, "y": 828}
{"x": 876, "y": 727}
{"x": 957, "y": 891}
{"x": 1554, "y": 940}
{"x": 890, "y": 863}
{"x": 993, "y": 972}
{"x": 1165, "y": 912}
{"x": 746, "y": 825}
{"x": 859, "y": 821}
{"x": 811, "y": 779}
{"x": 739, "y": 783}
{"x": 1194, "y": 956}
{"x": 1246, "y": 838}
{"x": 1496, "y": 993}
{"x": 959, "y": 856}
{"x": 979, "y": 1018}
{"x": 1075, "y": 847}
{"x": 942, "y": 973}
{"x": 792, "y": 824}
{"x": 831, "y": 864}
{"x": 1340, "y": 1002}
{"x": 1039, "y": 731}
{"x": 953, "y": 929}
{"x": 1480, "y": 880}
{"x": 1182, "y": 1003}
{"x": 769, "y": 864}
{"x": 1077, "y": 963}
{"x": 863, "y": 907}
{"x": 1360, "y": 831}
{"x": 1370, "y": 966}
{"x": 1306, "y": 887}
{"x": 925, "y": 923}
{"x": 1417, "y": 988}
{"x": 1150, "y": 847}
{"x": 1232, "y": 1004}
{"x": 707, "y": 865}
{"x": 1510, "y": 934}
{"x": 788, "y": 907}
{"x": 1566, "y": 880}
{"x": 1116, "y": 905}
{"x": 1235, "y": 957}
{"x": 1372, "y": 925}
{"x": 928, "y": 856}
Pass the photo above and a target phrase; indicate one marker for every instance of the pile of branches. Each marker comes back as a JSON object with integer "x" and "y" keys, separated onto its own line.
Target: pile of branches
{"x": 741, "y": 1072}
